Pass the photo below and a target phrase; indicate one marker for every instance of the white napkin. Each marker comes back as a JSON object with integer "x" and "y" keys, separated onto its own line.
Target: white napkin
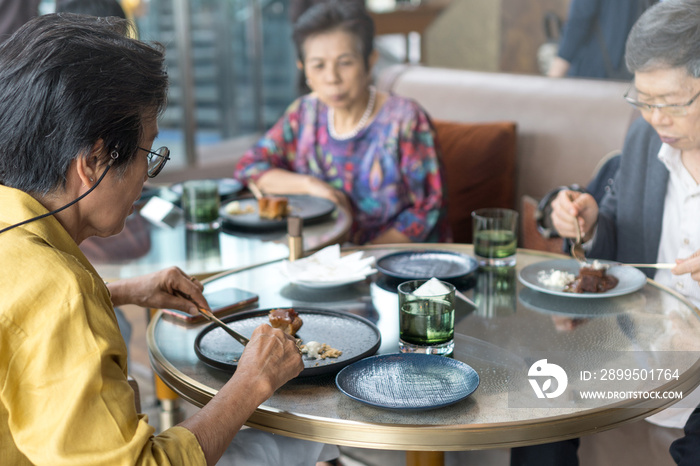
{"x": 328, "y": 266}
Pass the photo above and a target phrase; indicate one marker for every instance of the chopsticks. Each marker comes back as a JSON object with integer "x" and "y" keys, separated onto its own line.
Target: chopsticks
{"x": 651, "y": 266}
{"x": 254, "y": 189}
{"x": 240, "y": 338}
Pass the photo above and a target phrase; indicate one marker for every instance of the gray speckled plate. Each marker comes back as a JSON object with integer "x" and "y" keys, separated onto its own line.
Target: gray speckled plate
{"x": 630, "y": 279}
{"x": 423, "y": 265}
{"x": 355, "y": 336}
{"x": 408, "y": 381}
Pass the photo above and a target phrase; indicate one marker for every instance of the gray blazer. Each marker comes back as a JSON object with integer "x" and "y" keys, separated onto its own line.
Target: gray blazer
{"x": 630, "y": 218}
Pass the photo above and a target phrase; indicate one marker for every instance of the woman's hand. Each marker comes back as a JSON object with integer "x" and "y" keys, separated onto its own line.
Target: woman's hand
{"x": 689, "y": 265}
{"x": 319, "y": 188}
{"x": 565, "y": 212}
{"x": 156, "y": 291}
{"x": 278, "y": 181}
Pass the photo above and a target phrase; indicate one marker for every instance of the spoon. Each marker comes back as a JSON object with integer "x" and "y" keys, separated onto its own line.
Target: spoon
{"x": 240, "y": 338}
{"x": 461, "y": 296}
{"x": 576, "y": 247}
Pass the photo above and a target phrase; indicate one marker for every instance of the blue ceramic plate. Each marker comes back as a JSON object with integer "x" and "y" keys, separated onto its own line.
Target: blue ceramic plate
{"x": 408, "y": 381}
{"x": 630, "y": 278}
{"x": 423, "y": 265}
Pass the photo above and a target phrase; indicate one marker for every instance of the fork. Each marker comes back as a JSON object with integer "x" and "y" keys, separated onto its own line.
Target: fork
{"x": 576, "y": 247}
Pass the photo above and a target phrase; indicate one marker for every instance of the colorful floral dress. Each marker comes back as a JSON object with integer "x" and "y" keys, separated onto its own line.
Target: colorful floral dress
{"x": 390, "y": 170}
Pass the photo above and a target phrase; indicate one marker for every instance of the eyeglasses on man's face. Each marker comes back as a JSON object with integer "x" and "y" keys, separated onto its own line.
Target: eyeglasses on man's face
{"x": 667, "y": 109}
{"x": 156, "y": 160}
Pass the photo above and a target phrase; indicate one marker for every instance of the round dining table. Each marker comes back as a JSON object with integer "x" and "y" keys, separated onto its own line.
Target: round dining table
{"x": 144, "y": 247}
{"x": 625, "y": 357}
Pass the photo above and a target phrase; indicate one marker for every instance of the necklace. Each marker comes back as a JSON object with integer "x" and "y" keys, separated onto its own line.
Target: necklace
{"x": 360, "y": 124}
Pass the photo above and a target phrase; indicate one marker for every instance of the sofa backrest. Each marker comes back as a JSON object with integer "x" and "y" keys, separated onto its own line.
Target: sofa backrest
{"x": 565, "y": 126}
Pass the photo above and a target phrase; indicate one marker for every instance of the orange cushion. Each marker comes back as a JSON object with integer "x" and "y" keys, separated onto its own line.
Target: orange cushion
{"x": 529, "y": 234}
{"x": 479, "y": 160}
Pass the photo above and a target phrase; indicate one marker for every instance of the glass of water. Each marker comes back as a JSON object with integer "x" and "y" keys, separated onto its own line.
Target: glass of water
{"x": 426, "y": 316}
{"x": 200, "y": 202}
{"x": 495, "y": 236}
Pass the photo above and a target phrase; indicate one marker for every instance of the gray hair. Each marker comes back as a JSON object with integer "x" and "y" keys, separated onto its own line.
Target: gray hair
{"x": 667, "y": 35}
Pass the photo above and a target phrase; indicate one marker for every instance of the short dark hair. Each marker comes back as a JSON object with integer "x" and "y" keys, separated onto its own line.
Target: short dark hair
{"x": 67, "y": 81}
{"x": 347, "y": 15}
{"x": 91, "y": 7}
{"x": 666, "y": 35}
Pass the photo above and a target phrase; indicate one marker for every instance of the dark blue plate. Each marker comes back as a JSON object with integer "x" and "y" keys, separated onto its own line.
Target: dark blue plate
{"x": 310, "y": 208}
{"x": 408, "y": 381}
{"x": 423, "y": 265}
{"x": 355, "y": 336}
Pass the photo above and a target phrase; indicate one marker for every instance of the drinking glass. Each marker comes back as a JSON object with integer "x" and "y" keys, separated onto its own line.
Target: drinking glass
{"x": 495, "y": 236}
{"x": 426, "y": 322}
{"x": 494, "y": 292}
{"x": 200, "y": 201}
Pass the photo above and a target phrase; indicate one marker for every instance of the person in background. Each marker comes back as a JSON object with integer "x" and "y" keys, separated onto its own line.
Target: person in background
{"x": 296, "y": 9}
{"x": 79, "y": 103}
{"x": 651, "y": 214}
{"x": 374, "y": 153}
{"x": 593, "y": 40}
{"x": 14, "y": 13}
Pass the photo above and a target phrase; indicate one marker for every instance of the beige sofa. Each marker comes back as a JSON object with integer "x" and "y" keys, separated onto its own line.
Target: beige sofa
{"x": 564, "y": 126}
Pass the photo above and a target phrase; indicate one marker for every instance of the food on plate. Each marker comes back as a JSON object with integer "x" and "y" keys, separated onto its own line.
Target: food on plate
{"x": 235, "y": 208}
{"x": 316, "y": 350}
{"x": 273, "y": 207}
{"x": 592, "y": 280}
{"x": 555, "y": 278}
{"x": 286, "y": 319}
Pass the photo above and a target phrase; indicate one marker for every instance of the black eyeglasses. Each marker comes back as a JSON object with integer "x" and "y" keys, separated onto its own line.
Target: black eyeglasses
{"x": 156, "y": 160}
{"x": 668, "y": 109}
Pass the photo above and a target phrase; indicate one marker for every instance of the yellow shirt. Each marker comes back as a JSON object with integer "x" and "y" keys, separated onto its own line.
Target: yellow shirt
{"x": 64, "y": 395}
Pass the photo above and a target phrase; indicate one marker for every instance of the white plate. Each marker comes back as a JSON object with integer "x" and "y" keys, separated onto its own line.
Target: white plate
{"x": 630, "y": 278}
{"x": 328, "y": 284}
{"x": 328, "y": 269}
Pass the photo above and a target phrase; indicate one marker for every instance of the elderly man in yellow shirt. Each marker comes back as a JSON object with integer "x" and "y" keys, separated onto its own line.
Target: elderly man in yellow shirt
{"x": 79, "y": 103}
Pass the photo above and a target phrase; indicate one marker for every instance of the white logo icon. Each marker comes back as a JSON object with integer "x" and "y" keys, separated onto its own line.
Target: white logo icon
{"x": 542, "y": 369}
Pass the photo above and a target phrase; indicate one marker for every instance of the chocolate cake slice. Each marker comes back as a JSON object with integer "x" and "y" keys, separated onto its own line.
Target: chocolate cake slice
{"x": 592, "y": 280}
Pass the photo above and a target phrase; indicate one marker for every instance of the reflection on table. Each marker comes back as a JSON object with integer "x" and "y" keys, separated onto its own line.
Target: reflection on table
{"x": 143, "y": 247}
{"x": 652, "y": 329}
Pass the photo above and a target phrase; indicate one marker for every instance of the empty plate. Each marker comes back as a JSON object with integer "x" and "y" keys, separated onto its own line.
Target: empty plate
{"x": 408, "y": 381}
{"x": 420, "y": 265}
